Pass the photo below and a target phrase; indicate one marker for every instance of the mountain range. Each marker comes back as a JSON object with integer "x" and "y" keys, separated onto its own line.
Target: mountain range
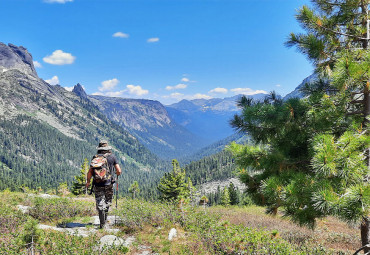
{"x": 47, "y": 131}
{"x": 179, "y": 130}
{"x": 207, "y": 118}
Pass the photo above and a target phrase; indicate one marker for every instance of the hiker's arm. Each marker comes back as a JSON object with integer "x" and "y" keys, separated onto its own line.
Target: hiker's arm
{"x": 118, "y": 169}
{"x": 88, "y": 177}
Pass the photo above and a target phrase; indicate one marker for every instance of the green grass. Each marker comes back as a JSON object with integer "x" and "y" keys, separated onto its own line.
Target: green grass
{"x": 217, "y": 230}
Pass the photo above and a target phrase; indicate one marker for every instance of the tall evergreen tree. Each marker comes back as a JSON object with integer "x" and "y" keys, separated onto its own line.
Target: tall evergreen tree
{"x": 311, "y": 156}
{"x": 338, "y": 37}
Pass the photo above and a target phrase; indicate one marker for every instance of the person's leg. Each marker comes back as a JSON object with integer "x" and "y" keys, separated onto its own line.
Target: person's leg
{"x": 100, "y": 204}
{"x": 108, "y": 199}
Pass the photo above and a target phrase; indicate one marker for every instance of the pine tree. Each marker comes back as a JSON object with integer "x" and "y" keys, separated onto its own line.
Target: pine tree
{"x": 233, "y": 192}
{"x": 78, "y": 186}
{"x": 336, "y": 42}
{"x": 173, "y": 185}
{"x": 311, "y": 156}
{"x": 225, "y": 197}
{"x": 134, "y": 189}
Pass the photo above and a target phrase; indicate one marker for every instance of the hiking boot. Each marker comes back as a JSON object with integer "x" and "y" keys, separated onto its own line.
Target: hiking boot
{"x": 102, "y": 218}
{"x": 106, "y": 215}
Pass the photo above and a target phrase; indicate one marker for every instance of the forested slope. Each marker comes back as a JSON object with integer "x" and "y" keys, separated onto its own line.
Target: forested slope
{"x": 46, "y": 132}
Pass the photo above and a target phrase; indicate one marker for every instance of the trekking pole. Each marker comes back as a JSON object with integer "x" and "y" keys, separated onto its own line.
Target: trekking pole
{"x": 115, "y": 215}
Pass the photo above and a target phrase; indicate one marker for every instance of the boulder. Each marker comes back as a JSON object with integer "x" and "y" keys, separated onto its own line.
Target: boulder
{"x": 172, "y": 234}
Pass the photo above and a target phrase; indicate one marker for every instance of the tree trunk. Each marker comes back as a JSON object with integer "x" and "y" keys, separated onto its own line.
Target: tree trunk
{"x": 365, "y": 233}
{"x": 365, "y": 223}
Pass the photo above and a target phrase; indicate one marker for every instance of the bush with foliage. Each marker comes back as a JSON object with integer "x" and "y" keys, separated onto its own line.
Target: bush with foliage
{"x": 54, "y": 209}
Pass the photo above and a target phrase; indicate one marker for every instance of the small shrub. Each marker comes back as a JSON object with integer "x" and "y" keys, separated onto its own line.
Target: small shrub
{"x": 60, "y": 208}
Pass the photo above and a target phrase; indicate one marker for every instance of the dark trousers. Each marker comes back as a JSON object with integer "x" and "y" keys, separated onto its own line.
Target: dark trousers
{"x": 103, "y": 198}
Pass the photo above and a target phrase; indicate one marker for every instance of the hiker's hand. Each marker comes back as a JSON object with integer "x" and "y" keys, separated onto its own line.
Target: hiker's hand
{"x": 87, "y": 184}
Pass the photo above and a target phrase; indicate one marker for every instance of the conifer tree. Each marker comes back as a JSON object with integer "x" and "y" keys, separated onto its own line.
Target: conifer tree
{"x": 78, "y": 186}
{"x": 233, "y": 193}
{"x": 173, "y": 185}
{"x": 225, "y": 197}
{"x": 336, "y": 42}
{"x": 134, "y": 189}
{"x": 311, "y": 156}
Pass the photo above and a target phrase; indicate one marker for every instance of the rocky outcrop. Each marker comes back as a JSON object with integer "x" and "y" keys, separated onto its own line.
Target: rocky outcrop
{"x": 297, "y": 92}
{"x": 13, "y": 57}
{"x": 211, "y": 187}
{"x": 79, "y": 91}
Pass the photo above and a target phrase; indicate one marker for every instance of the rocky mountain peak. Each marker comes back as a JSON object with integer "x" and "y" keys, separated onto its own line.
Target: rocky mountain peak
{"x": 14, "y": 57}
{"x": 297, "y": 92}
{"x": 79, "y": 91}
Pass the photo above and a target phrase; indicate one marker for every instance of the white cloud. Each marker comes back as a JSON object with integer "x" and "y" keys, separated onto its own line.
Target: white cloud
{"x": 59, "y": 57}
{"x": 68, "y": 88}
{"x": 219, "y": 90}
{"x": 37, "y": 64}
{"x": 121, "y": 35}
{"x": 57, "y": 1}
{"x": 175, "y": 95}
{"x": 180, "y": 96}
{"x": 115, "y": 93}
{"x": 97, "y": 94}
{"x": 136, "y": 90}
{"x": 178, "y": 86}
{"x": 199, "y": 96}
{"x": 248, "y": 91}
{"x": 109, "y": 84}
{"x": 153, "y": 39}
{"x": 185, "y": 79}
{"x": 53, "y": 81}
{"x": 278, "y": 85}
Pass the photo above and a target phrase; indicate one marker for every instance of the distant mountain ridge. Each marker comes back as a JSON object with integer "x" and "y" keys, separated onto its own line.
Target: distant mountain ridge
{"x": 297, "y": 92}
{"x": 207, "y": 118}
{"x": 149, "y": 121}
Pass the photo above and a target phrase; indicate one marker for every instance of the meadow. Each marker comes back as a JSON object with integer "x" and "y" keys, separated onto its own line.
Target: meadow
{"x": 210, "y": 230}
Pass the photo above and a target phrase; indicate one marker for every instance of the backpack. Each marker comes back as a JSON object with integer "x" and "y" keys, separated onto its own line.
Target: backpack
{"x": 100, "y": 166}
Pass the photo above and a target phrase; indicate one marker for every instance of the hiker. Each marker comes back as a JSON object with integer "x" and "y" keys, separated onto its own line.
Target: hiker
{"x": 101, "y": 168}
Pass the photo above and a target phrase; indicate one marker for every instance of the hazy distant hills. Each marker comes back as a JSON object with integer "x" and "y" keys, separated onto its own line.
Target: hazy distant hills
{"x": 149, "y": 121}
{"x": 207, "y": 118}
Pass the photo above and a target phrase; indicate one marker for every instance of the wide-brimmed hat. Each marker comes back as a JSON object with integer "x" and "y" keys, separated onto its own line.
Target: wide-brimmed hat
{"x": 103, "y": 146}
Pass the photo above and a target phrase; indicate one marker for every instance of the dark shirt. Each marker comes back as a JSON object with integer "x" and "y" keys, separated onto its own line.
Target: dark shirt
{"x": 112, "y": 160}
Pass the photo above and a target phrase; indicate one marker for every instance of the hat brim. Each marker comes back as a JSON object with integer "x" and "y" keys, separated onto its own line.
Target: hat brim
{"x": 106, "y": 148}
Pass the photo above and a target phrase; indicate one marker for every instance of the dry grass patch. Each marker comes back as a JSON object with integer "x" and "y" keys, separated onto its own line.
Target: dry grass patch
{"x": 330, "y": 232}
{"x": 156, "y": 239}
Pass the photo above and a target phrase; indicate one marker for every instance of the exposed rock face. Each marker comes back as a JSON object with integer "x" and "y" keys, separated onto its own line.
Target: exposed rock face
{"x": 297, "y": 91}
{"x": 211, "y": 187}
{"x": 150, "y": 122}
{"x": 79, "y": 91}
{"x": 13, "y": 57}
{"x": 134, "y": 114}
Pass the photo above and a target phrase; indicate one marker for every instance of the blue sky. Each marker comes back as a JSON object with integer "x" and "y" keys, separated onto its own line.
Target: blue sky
{"x": 165, "y": 50}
